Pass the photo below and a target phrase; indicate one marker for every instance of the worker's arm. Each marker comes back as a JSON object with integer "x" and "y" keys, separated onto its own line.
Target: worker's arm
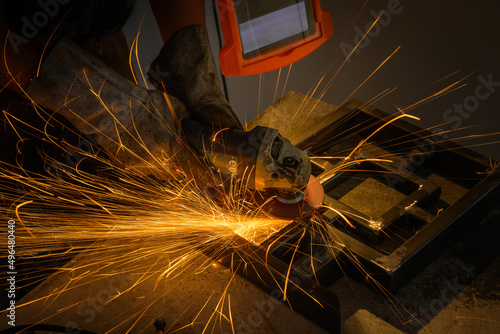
{"x": 137, "y": 127}
{"x": 185, "y": 67}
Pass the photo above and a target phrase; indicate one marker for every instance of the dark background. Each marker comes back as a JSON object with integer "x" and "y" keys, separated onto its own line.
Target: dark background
{"x": 441, "y": 42}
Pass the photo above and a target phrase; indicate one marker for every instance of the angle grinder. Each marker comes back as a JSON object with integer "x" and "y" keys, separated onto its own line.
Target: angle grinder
{"x": 278, "y": 172}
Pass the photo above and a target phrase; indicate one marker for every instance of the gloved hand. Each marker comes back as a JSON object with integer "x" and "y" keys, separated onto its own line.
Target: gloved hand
{"x": 138, "y": 128}
{"x": 186, "y": 69}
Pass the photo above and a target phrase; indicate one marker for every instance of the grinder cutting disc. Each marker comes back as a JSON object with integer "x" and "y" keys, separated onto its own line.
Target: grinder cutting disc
{"x": 297, "y": 206}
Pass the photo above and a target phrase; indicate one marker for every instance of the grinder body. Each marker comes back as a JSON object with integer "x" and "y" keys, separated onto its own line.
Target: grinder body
{"x": 261, "y": 156}
{"x": 279, "y": 172}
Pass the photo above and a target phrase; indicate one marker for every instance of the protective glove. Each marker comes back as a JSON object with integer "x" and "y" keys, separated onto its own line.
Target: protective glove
{"x": 186, "y": 69}
{"x": 138, "y": 128}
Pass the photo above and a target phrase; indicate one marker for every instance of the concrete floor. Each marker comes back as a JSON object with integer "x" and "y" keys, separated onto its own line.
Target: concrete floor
{"x": 447, "y": 297}
{"x": 458, "y": 292}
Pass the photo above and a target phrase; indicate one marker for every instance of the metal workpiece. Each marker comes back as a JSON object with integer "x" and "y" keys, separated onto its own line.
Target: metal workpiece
{"x": 402, "y": 204}
{"x": 400, "y": 211}
{"x": 303, "y": 294}
{"x": 418, "y": 190}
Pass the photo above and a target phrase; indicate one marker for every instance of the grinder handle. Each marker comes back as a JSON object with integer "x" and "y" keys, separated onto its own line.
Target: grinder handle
{"x": 228, "y": 151}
